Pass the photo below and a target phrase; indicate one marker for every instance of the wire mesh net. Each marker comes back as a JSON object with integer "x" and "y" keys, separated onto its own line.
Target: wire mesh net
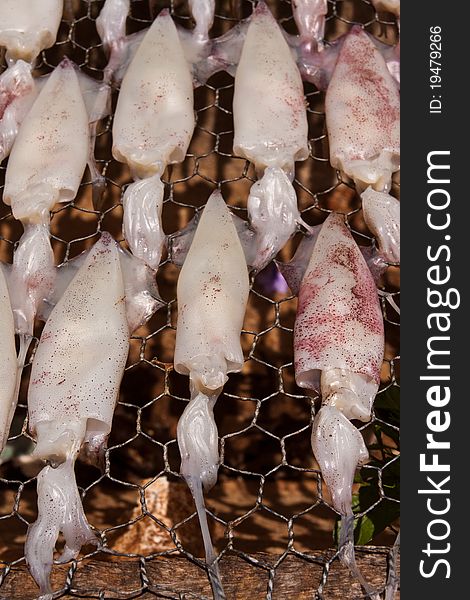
{"x": 269, "y": 513}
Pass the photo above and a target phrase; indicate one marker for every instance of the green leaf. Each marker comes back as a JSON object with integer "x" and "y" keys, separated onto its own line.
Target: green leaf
{"x": 387, "y": 405}
{"x": 368, "y": 526}
{"x": 375, "y": 521}
{"x": 364, "y": 530}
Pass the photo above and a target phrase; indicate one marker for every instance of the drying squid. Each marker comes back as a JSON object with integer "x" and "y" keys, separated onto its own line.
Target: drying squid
{"x": 152, "y": 128}
{"x": 26, "y": 28}
{"x": 8, "y": 365}
{"x": 363, "y": 114}
{"x": 363, "y": 120}
{"x": 73, "y": 390}
{"x": 270, "y": 130}
{"x": 46, "y": 166}
{"x": 338, "y": 353}
{"x": 213, "y": 290}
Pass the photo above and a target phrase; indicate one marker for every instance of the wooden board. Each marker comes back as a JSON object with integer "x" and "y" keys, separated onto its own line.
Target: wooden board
{"x": 293, "y": 577}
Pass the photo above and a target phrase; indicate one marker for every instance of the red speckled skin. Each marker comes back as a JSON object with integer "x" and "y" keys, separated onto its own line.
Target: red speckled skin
{"x": 339, "y": 322}
{"x": 362, "y": 103}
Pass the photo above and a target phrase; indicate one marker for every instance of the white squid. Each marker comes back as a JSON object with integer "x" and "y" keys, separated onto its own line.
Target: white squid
{"x": 338, "y": 353}
{"x": 26, "y": 28}
{"x": 46, "y": 166}
{"x": 271, "y": 130}
{"x": 73, "y": 390}
{"x": 212, "y": 293}
{"x": 8, "y": 364}
{"x": 363, "y": 120}
{"x": 153, "y": 125}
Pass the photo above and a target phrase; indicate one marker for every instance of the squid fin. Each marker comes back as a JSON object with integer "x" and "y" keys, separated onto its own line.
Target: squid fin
{"x": 31, "y": 278}
{"x": 142, "y": 296}
{"x": 294, "y": 270}
{"x": 180, "y": 242}
{"x": 97, "y": 98}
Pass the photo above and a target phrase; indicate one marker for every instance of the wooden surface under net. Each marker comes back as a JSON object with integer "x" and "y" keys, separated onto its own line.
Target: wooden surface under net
{"x": 269, "y": 513}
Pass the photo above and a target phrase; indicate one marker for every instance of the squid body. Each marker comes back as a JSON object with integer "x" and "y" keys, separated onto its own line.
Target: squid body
{"x": 363, "y": 120}
{"x": 213, "y": 290}
{"x": 45, "y": 167}
{"x": 338, "y": 336}
{"x": 363, "y": 114}
{"x": 270, "y": 130}
{"x": 73, "y": 390}
{"x": 26, "y": 28}
{"x": 153, "y": 125}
